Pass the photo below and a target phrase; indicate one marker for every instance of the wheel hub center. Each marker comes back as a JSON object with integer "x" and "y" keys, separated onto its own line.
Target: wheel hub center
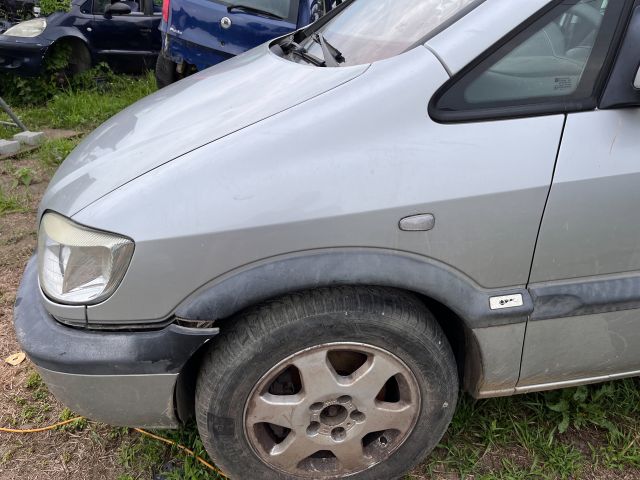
{"x": 333, "y": 415}
{"x": 334, "y": 418}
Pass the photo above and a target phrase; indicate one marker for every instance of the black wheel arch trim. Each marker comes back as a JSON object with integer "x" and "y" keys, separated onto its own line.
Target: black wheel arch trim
{"x": 274, "y": 277}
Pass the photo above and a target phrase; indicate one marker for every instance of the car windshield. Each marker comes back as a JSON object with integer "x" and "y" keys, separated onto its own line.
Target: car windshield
{"x": 371, "y": 30}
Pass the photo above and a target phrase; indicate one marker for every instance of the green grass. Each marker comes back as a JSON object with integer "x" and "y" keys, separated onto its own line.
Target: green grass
{"x": 10, "y": 202}
{"x": 142, "y": 455}
{"x": 82, "y": 109}
{"x": 53, "y": 152}
{"x": 87, "y": 109}
{"x": 34, "y": 381}
{"x": 547, "y": 435}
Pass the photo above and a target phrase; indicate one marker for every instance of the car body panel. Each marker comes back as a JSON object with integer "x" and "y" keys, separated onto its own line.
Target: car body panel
{"x": 142, "y": 45}
{"x": 574, "y": 348}
{"x": 477, "y": 31}
{"x": 198, "y": 22}
{"x": 493, "y": 362}
{"x": 238, "y": 171}
{"x": 575, "y": 237}
{"x": 23, "y": 55}
{"x": 113, "y": 155}
{"x": 198, "y": 56}
{"x": 149, "y": 399}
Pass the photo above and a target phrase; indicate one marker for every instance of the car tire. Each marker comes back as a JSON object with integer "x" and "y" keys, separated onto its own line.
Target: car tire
{"x": 166, "y": 73}
{"x": 310, "y": 364}
{"x": 80, "y": 60}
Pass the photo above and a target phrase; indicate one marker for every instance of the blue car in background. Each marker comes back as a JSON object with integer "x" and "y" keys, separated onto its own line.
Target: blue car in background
{"x": 197, "y": 34}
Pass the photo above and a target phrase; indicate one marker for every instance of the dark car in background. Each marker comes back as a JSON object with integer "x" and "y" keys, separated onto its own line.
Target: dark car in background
{"x": 123, "y": 34}
{"x": 197, "y": 34}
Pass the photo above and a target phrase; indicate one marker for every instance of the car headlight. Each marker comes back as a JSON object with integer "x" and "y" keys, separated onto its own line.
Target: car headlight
{"x": 29, "y": 28}
{"x": 79, "y": 265}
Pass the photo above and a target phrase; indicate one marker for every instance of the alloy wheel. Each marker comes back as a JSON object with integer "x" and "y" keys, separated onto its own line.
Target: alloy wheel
{"x": 332, "y": 410}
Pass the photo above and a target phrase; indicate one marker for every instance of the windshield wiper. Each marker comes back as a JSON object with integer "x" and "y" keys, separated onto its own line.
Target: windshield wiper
{"x": 249, "y": 9}
{"x": 294, "y": 48}
{"x": 332, "y": 56}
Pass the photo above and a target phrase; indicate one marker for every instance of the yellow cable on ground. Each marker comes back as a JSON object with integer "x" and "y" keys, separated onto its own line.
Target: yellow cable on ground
{"x": 183, "y": 448}
{"x": 36, "y": 430}
{"x": 139, "y": 430}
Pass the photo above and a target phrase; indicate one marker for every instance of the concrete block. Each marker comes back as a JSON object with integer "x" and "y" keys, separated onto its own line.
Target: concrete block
{"x": 9, "y": 147}
{"x": 29, "y": 138}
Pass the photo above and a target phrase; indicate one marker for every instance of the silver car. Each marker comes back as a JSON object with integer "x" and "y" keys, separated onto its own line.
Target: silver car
{"x": 313, "y": 247}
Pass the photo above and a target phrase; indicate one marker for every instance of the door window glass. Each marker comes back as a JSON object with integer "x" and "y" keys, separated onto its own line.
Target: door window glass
{"x": 99, "y": 6}
{"x": 558, "y": 57}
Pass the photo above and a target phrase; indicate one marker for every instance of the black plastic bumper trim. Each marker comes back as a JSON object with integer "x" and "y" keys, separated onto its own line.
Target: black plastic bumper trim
{"x": 60, "y": 348}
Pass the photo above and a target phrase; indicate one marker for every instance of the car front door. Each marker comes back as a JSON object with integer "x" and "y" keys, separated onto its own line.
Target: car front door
{"x": 553, "y": 67}
{"x": 230, "y": 28}
{"x": 585, "y": 279}
{"x": 124, "y": 41}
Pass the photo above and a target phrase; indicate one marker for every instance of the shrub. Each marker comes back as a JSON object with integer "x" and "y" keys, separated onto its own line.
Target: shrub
{"x": 47, "y": 7}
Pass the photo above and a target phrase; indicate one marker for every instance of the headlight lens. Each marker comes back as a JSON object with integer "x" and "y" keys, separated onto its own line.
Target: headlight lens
{"x": 30, "y": 28}
{"x": 78, "y": 265}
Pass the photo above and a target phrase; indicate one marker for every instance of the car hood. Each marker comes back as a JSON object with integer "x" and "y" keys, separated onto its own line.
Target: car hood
{"x": 182, "y": 117}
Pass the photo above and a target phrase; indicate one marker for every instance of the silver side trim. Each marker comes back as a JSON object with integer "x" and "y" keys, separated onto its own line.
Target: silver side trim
{"x": 507, "y": 392}
{"x": 576, "y": 382}
{"x": 541, "y": 387}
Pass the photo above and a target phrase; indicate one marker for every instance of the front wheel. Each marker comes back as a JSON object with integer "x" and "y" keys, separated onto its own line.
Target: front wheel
{"x": 351, "y": 382}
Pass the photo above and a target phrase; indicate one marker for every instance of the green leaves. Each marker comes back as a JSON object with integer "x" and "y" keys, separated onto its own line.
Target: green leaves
{"x": 47, "y": 7}
{"x": 23, "y": 176}
{"x": 33, "y": 90}
{"x": 581, "y": 407}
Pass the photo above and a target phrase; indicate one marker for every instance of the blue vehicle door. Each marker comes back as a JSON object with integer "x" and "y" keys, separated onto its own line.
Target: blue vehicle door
{"x": 223, "y": 29}
{"x": 125, "y": 41}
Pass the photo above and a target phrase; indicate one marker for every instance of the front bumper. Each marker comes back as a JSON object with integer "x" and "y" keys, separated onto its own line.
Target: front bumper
{"x": 23, "y": 56}
{"x": 120, "y": 378}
